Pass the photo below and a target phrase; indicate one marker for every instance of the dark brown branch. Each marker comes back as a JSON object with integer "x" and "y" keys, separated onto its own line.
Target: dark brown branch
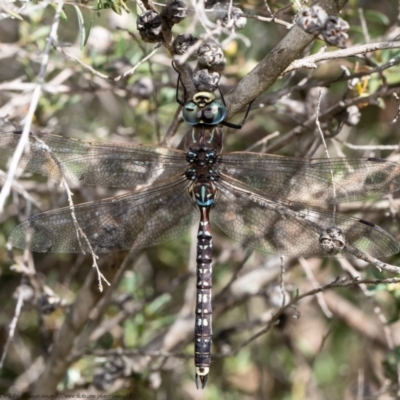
{"x": 268, "y": 70}
{"x": 62, "y": 354}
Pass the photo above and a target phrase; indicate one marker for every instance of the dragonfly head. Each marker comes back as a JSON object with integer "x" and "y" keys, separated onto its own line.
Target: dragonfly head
{"x": 204, "y": 109}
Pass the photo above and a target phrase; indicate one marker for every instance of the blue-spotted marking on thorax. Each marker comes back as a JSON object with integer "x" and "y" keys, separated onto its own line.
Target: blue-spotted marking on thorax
{"x": 204, "y": 194}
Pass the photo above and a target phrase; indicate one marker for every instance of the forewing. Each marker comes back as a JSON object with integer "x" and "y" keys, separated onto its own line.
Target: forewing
{"x": 136, "y": 220}
{"x": 291, "y": 229}
{"x": 99, "y": 164}
{"x": 313, "y": 181}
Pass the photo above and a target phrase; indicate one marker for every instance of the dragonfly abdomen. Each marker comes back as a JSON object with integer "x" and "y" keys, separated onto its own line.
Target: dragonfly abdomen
{"x": 203, "y": 328}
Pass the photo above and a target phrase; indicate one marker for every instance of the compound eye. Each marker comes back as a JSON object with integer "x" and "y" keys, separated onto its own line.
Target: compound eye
{"x": 210, "y": 113}
{"x": 191, "y": 113}
{"x": 213, "y": 113}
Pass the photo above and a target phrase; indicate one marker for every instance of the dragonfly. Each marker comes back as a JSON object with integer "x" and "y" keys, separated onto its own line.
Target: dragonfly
{"x": 267, "y": 202}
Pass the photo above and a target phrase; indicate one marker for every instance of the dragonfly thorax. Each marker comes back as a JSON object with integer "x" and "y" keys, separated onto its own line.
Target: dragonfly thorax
{"x": 203, "y": 139}
{"x": 201, "y": 157}
{"x": 203, "y": 165}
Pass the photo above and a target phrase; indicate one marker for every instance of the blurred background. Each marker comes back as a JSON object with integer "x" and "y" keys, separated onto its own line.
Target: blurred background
{"x": 339, "y": 344}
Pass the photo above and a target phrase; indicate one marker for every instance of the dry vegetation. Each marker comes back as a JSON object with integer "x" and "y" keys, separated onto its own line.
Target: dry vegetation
{"x": 336, "y": 339}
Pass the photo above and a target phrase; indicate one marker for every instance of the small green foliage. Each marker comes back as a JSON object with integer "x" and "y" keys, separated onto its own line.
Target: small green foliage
{"x": 81, "y": 22}
{"x": 63, "y": 16}
{"x": 377, "y": 17}
{"x": 115, "y": 5}
{"x": 11, "y": 13}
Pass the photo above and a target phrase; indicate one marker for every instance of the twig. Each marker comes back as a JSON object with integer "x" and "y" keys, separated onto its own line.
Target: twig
{"x": 262, "y": 142}
{"x": 311, "y": 61}
{"x": 378, "y": 311}
{"x": 270, "y": 68}
{"x": 52, "y": 38}
{"x": 317, "y": 123}
{"x": 371, "y": 260}
{"x": 137, "y": 65}
{"x": 171, "y": 131}
{"x": 85, "y": 66}
{"x": 21, "y": 191}
{"x": 268, "y": 8}
{"x": 234, "y": 276}
{"x": 329, "y": 113}
{"x": 345, "y": 282}
{"x": 282, "y": 282}
{"x": 364, "y": 25}
{"x": 65, "y": 343}
{"x": 320, "y": 298}
{"x": 337, "y": 283}
{"x": 305, "y": 84}
{"x": 13, "y": 325}
{"x": 278, "y": 21}
{"x": 99, "y": 309}
{"x": 103, "y": 76}
{"x": 80, "y": 233}
{"x": 394, "y": 147}
{"x": 394, "y": 120}
{"x": 139, "y": 352}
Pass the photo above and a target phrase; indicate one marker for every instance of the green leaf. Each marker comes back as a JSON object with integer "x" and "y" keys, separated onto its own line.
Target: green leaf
{"x": 125, "y": 7}
{"x": 392, "y": 75}
{"x": 88, "y": 29}
{"x": 12, "y": 13}
{"x": 376, "y": 16}
{"x": 63, "y": 16}
{"x": 116, "y": 8}
{"x": 115, "y": 5}
{"x": 82, "y": 30}
{"x": 158, "y": 303}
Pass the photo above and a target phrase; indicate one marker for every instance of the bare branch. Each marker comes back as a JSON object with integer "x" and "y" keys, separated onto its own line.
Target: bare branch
{"x": 311, "y": 61}
{"x": 52, "y": 38}
{"x": 272, "y": 66}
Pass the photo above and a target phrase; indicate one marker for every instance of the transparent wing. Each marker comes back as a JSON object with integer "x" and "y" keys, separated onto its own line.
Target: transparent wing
{"x": 139, "y": 219}
{"x": 291, "y": 229}
{"x": 310, "y": 180}
{"x": 100, "y": 164}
